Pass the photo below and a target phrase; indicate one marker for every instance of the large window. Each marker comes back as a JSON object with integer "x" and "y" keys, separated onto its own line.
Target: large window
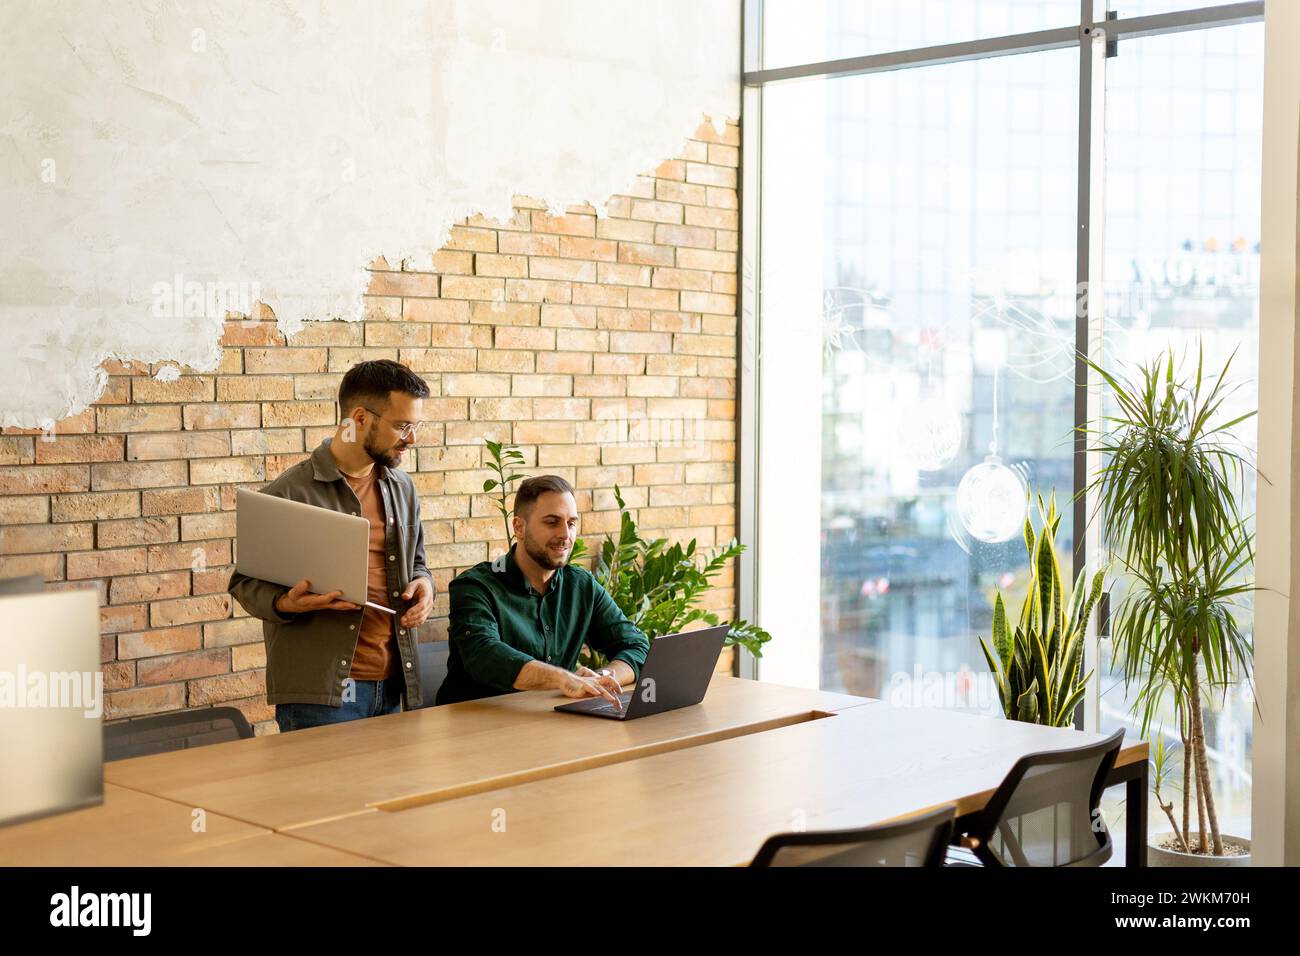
{"x": 810, "y": 31}
{"x": 922, "y": 217}
{"x": 946, "y": 217}
{"x": 1182, "y": 185}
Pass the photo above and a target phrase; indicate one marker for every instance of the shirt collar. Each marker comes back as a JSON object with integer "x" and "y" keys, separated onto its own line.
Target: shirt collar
{"x": 325, "y": 468}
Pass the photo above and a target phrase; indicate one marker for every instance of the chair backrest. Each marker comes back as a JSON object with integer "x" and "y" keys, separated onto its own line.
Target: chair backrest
{"x": 26, "y": 584}
{"x": 179, "y": 730}
{"x": 1046, "y": 812}
{"x": 433, "y": 669}
{"x": 916, "y": 841}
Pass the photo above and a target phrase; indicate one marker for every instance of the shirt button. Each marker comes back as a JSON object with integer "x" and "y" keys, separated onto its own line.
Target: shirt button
{"x": 354, "y": 514}
{"x": 401, "y": 633}
{"x": 392, "y": 557}
{"x": 408, "y": 665}
{"x": 394, "y": 594}
{"x": 352, "y": 627}
{"x": 344, "y": 663}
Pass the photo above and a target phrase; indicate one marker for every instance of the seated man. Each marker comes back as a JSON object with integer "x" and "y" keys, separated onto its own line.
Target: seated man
{"x": 519, "y": 622}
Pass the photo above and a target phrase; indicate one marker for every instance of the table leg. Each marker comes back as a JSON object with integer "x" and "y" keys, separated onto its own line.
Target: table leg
{"x": 1135, "y": 829}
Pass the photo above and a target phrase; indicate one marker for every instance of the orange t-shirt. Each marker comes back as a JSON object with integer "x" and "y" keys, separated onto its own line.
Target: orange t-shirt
{"x": 376, "y": 654}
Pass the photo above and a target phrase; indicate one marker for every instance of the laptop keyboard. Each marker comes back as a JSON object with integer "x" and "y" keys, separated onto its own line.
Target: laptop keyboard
{"x": 608, "y": 708}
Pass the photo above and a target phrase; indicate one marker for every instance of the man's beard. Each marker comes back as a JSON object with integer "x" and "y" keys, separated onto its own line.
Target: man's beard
{"x": 385, "y": 458}
{"x": 542, "y": 556}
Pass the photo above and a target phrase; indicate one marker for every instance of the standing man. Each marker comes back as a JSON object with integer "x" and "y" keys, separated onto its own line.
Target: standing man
{"x": 519, "y": 622}
{"x": 329, "y": 660}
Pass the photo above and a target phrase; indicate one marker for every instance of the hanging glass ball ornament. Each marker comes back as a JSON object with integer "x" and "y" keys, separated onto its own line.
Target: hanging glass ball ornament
{"x": 991, "y": 501}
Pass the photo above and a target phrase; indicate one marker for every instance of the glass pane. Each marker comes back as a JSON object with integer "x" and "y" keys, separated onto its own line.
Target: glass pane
{"x": 1145, "y": 8}
{"x": 932, "y": 213}
{"x": 810, "y": 31}
{"x": 1183, "y": 150}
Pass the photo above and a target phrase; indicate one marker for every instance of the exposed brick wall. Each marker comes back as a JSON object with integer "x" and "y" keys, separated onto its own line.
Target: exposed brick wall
{"x": 604, "y": 347}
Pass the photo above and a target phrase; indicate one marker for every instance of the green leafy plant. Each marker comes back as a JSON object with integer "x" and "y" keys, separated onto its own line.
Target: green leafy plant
{"x": 504, "y": 458}
{"x": 659, "y": 586}
{"x": 1167, "y": 495}
{"x": 1037, "y": 665}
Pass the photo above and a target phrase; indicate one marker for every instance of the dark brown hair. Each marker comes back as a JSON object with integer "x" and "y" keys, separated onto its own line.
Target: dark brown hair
{"x": 530, "y": 489}
{"x": 368, "y": 383}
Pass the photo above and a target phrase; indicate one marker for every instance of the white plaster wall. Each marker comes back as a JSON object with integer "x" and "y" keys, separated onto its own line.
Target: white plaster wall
{"x": 284, "y": 145}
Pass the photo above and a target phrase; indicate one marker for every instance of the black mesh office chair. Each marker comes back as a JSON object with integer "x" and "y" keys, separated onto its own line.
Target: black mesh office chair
{"x": 1046, "y": 812}
{"x": 916, "y": 841}
{"x": 433, "y": 669}
{"x": 25, "y": 584}
{"x": 179, "y": 730}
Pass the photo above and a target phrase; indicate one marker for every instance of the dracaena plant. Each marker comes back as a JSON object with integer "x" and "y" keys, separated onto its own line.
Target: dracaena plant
{"x": 1038, "y": 663}
{"x": 1168, "y": 496}
{"x": 1160, "y": 764}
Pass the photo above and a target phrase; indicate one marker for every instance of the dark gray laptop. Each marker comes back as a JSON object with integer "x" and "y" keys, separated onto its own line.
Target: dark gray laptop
{"x": 676, "y": 673}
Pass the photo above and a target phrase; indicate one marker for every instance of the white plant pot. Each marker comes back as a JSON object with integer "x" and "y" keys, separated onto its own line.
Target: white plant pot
{"x": 1159, "y": 856}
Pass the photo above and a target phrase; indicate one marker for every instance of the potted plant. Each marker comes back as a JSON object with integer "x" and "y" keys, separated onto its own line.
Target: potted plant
{"x": 1168, "y": 504}
{"x": 504, "y": 458}
{"x": 657, "y": 585}
{"x": 1038, "y": 664}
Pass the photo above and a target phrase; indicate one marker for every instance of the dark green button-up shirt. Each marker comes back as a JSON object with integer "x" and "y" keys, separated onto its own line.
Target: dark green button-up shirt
{"x": 499, "y": 623}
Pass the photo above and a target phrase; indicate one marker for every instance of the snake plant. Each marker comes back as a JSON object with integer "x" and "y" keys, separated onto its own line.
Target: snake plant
{"x": 1037, "y": 664}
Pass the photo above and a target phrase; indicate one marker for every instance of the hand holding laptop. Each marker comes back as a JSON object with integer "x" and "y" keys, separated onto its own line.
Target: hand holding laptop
{"x": 278, "y": 539}
{"x": 300, "y": 598}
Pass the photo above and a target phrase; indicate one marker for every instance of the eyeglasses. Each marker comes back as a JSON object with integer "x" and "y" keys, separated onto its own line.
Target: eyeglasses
{"x": 405, "y": 431}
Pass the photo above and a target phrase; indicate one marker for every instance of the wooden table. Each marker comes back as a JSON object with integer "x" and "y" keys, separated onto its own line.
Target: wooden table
{"x": 136, "y": 829}
{"x": 507, "y": 780}
{"x": 291, "y": 780}
{"x": 715, "y": 804}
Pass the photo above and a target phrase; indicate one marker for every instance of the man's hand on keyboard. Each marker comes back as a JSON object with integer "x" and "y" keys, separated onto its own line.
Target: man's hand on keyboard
{"x": 587, "y": 683}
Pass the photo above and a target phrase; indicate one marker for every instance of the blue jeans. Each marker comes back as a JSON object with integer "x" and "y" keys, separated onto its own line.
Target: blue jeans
{"x": 371, "y": 698}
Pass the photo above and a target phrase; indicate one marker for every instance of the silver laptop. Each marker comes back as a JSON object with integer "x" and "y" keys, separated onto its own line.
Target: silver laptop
{"x": 51, "y": 704}
{"x": 284, "y": 541}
